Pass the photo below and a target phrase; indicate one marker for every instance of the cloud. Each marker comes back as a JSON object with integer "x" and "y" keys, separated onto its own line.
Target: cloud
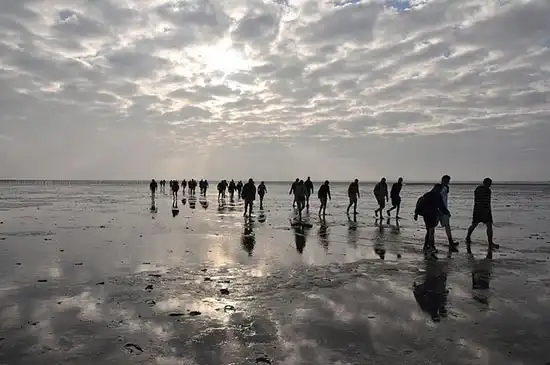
{"x": 108, "y": 89}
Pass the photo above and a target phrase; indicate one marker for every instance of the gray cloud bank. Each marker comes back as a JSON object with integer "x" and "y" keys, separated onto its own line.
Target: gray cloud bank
{"x": 275, "y": 89}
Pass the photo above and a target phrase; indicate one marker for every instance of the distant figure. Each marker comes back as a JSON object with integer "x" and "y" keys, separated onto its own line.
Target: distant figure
{"x": 482, "y": 214}
{"x": 262, "y": 190}
{"x": 249, "y": 195}
{"x": 192, "y": 186}
{"x": 239, "y": 188}
{"x": 231, "y": 188}
{"x": 201, "y": 186}
{"x": 324, "y": 194}
{"x": 162, "y": 184}
{"x": 309, "y": 190}
{"x": 381, "y": 195}
{"x": 183, "y": 186}
{"x": 205, "y": 187}
{"x": 175, "y": 186}
{"x": 293, "y": 191}
{"x": 443, "y": 218}
{"x": 300, "y": 192}
{"x": 222, "y": 186}
{"x": 353, "y": 194}
{"x": 395, "y": 196}
{"x": 430, "y": 206}
{"x": 153, "y": 187}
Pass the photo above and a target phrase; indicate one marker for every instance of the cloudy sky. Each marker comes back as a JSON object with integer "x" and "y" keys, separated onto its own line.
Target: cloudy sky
{"x": 124, "y": 89}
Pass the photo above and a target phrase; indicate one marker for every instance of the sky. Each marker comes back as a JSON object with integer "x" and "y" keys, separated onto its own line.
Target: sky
{"x": 274, "y": 89}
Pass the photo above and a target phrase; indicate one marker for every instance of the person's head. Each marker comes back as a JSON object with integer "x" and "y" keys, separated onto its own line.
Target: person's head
{"x": 250, "y": 181}
{"x": 262, "y": 183}
{"x": 400, "y": 180}
{"x": 152, "y": 180}
{"x": 383, "y": 180}
{"x": 297, "y": 180}
{"x": 446, "y": 179}
{"x": 356, "y": 181}
{"x": 301, "y": 181}
{"x": 326, "y": 182}
{"x": 487, "y": 182}
{"x": 309, "y": 178}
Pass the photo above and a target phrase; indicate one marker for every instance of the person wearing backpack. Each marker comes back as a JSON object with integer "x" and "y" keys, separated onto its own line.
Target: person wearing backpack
{"x": 430, "y": 206}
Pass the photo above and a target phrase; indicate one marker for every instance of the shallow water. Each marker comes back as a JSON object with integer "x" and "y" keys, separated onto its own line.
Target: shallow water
{"x": 319, "y": 296}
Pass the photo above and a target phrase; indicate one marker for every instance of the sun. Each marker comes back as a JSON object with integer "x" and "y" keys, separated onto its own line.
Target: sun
{"x": 222, "y": 57}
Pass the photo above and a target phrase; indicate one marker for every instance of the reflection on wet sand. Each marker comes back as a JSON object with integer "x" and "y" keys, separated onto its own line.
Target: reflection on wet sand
{"x": 248, "y": 239}
{"x": 481, "y": 272}
{"x": 353, "y": 233}
{"x": 431, "y": 293}
{"x": 323, "y": 233}
{"x": 379, "y": 244}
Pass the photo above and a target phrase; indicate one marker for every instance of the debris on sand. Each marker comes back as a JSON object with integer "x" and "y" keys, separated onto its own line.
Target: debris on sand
{"x": 78, "y": 264}
{"x": 149, "y": 287}
{"x": 229, "y": 308}
{"x": 176, "y": 314}
{"x": 133, "y": 348}
{"x": 194, "y": 313}
{"x": 207, "y": 279}
{"x": 224, "y": 291}
{"x": 42, "y": 280}
{"x": 101, "y": 283}
{"x": 263, "y": 360}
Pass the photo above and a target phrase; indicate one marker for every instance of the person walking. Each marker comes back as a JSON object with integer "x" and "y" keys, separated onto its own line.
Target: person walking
{"x": 249, "y": 195}
{"x": 482, "y": 214}
{"x": 324, "y": 195}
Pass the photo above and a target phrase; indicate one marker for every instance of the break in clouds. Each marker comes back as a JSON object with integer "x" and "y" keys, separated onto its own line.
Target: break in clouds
{"x": 113, "y": 89}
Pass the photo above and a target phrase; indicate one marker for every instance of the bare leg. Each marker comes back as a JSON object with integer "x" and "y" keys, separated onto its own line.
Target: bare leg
{"x": 355, "y": 207}
{"x": 449, "y": 233}
{"x": 469, "y": 236}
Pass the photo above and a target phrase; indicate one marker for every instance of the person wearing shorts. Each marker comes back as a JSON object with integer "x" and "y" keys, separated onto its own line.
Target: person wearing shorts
{"x": 444, "y": 219}
{"x": 482, "y": 214}
{"x": 353, "y": 194}
{"x": 430, "y": 207}
{"x": 324, "y": 194}
{"x": 395, "y": 196}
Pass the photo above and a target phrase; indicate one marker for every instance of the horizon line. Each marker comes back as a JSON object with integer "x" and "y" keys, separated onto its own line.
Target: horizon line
{"x": 518, "y": 182}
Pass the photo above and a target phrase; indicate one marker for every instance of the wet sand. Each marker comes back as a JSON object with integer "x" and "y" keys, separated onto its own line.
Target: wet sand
{"x": 91, "y": 276}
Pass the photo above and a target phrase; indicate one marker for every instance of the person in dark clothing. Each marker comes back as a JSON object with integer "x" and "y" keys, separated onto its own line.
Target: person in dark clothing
{"x": 231, "y": 188}
{"x": 239, "y": 188}
{"x": 429, "y": 206}
{"x": 293, "y": 191}
{"x": 309, "y": 190}
{"x": 249, "y": 195}
{"x": 324, "y": 195}
{"x": 153, "y": 187}
{"x": 482, "y": 214}
{"x": 183, "y": 186}
{"x": 300, "y": 197}
{"x": 205, "y": 185}
{"x": 262, "y": 190}
{"x": 395, "y": 196}
{"x": 381, "y": 195}
{"x": 221, "y": 190}
{"x": 175, "y": 185}
{"x": 353, "y": 194}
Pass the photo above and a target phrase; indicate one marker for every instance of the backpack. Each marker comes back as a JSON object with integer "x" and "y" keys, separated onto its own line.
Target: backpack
{"x": 420, "y": 205}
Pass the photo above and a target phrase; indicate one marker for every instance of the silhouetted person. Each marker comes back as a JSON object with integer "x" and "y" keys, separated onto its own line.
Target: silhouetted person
{"x": 262, "y": 190}
{"x": 395, "y": 196}
{"x": 231, "y": 189}
{"x": 175, "y": 185}
{"x": 249, "y": 195}
{"x": 309, "y": 190}
{"x": 482, "y": 214}
{"x": 239, "y": 188}
{"x": 381, "y": 194}
{"x": 205, "y": 184}
{"x": 162, "y": 183}
{"x": 431, "y": 294}
{"x": 293, "y": 191}
{"x": 153, "y": 187}
{"x": 324, "y": 195}
{"x": 353, "y": 195}
{"x": 201, "y": 186}
{"x": 300, "y": 196}
{"x": 445, "y": 219}
{"x": 183, "y": 186}
{"x": 430, "y": 206}
{"x": 221, "y": 190}
{"x": 192, "y": 186}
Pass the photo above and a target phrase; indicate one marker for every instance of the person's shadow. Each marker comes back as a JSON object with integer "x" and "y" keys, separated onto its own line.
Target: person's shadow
{"x": 431, "y": 294}
{"x": 248, "y": 238}
{"x": 175, "y": 212}
{"x": 379, "y": 247}
{"x": 353, "y": 232}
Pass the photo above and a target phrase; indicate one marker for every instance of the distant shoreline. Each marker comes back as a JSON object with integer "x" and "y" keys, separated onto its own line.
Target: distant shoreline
{"x": 139, "y": 182}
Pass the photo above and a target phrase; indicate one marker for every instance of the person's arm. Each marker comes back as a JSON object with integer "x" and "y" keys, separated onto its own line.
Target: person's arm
{"x": 387, "y": 197}
{"x": 358, "y": 195}
{"x": 442, "y": 208}
{"x": 291, "y": 189}
{"x": 328, "y": 193}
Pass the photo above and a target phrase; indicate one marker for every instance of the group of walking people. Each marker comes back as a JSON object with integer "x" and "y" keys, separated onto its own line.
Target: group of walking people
{"x": 432, "y": 206}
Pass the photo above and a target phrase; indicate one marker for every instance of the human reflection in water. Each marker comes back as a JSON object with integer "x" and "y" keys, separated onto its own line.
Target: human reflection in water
{"x": 431, "y": 294}
{"x": 261, "y": 216}
{"x": 481, "y": 278}
{"x": 192, "y": 201}
{"x": 300, "y": 237}
{"x": 183, "y": 201}
{"x": 353, "y": 233}
{"x": 323, "y": 233}
{"x": 379, "y": 247}
{"x": 248, "y": 238}
{"x": 204, "y": 203}
{"x": 175, "y": 212}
